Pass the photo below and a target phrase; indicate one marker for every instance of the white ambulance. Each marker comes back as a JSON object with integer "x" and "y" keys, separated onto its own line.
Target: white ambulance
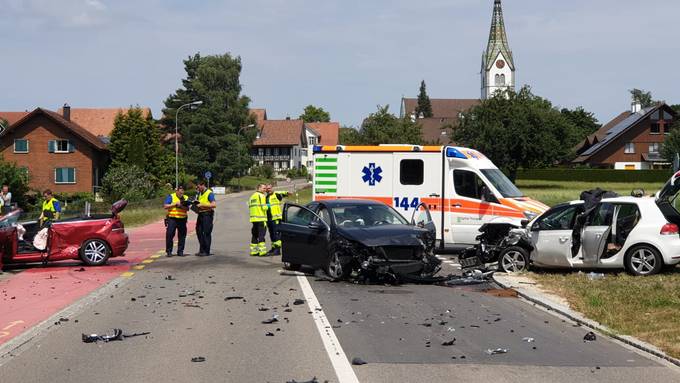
{"x": 461, "y": 187}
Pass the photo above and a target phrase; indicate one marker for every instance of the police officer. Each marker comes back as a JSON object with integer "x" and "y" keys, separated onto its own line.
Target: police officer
{"x": 274, "y": 217}
{"x": 176, "y": 220}
{"x": 258, "y": 217}
{"x": 204, "y": 223}
{"x": 51, "y": 208}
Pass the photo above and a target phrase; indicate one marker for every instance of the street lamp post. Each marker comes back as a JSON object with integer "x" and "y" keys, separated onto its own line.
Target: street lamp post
{"x": 194, "y": 103}
{"x": 239, "y": 135}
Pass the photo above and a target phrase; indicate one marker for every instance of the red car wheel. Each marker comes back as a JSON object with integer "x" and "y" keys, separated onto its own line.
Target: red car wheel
{"x": 95, "y": 252}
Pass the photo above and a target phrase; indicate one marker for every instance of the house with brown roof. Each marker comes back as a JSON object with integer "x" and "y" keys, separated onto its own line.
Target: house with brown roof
{"x": 445, "y": 115}
{"x": 630, "y": 141}
{"x": 319, "y": 133}
{"x": 64, "y": 151}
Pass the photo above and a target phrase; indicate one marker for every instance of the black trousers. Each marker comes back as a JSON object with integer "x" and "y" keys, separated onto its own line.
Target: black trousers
{"x": 204, "y": 227}
{"x": 258, "y": 232}
{"x": 180, "y": 226}
{"x": 272, "y": 226}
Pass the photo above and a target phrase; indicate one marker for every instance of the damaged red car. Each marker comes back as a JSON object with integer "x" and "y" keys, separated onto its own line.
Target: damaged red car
{"x": 92, "y": 238}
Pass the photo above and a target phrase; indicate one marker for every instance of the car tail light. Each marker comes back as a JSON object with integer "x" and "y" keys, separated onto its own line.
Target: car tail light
{"x": 117, "y": 225}
{"x": 670, "y": 229}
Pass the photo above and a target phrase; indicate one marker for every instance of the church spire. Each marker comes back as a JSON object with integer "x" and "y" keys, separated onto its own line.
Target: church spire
{"x": 498, "y": 39}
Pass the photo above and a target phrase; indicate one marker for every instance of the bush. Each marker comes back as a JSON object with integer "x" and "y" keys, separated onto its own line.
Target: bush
{"x": 595, "y": 175}
{"x": 300, "y": 172}
{"x": 262, "y": 171}
{"x": 129, "y": 182}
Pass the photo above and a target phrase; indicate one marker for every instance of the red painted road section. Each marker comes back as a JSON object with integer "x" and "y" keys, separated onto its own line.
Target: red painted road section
{"x": 33, "y": 295}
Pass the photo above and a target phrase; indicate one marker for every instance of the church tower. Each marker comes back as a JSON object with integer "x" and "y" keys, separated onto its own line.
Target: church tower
{"x": 498, "y": 67}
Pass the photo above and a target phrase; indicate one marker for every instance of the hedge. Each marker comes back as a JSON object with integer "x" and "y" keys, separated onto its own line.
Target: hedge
{"x": 595, "y": 175}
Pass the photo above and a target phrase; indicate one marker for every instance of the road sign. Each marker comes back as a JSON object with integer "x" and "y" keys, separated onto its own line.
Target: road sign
{"x": 208, "y": 175}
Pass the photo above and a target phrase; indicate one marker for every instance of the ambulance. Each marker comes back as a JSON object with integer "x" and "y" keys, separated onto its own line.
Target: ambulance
{"x": 460, "y": 187}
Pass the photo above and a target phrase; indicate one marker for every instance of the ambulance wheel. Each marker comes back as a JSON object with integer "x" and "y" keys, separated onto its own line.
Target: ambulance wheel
{"x": 95, "y": 252}
{"x": 514, "y": 259}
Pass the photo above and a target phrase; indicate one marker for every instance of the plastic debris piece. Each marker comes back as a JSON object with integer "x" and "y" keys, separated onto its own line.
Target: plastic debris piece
{"x": 198, "y": 359}
{"x": 590, "y": 337}
{"x": 450, "y": 342}
{"x": 358, "y": 361}
{"x": 263, "y": 309}
{"x": 273, "y": 319}
{"x": 299, "y": 302}
{"x": 497, "y": 351}
{"x": 314, "y": 380}
{"x": 229, "y": 298}
{"x": 269, "y": 334}
{"x": 169, "y": 278}
{"x": 528, "y": 339}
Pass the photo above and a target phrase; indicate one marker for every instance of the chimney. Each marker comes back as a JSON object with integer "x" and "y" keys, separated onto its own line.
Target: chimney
{"x": 67, "y": 112}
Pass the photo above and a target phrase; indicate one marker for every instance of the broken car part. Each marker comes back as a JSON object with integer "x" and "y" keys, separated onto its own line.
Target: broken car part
{"x": 117, "y": 334}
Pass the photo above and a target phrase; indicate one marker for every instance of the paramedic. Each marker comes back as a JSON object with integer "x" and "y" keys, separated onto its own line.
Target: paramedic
{"x": 274, "y": 217}
{"x": 257, "y": 204}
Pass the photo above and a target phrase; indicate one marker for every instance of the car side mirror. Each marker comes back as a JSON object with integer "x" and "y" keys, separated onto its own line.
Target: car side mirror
{"x": 316, "y": 226}
{"x": 524, "y": 223}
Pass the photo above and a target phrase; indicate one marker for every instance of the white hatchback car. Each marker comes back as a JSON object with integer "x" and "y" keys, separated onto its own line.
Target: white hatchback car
{"x": 638, "y": 234}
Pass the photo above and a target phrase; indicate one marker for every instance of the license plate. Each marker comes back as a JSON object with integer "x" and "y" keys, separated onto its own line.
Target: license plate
{"x": 469, "y": 262}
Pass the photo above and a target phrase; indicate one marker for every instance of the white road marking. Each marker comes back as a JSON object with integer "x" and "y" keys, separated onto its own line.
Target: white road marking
{"x": 341, "y": 365}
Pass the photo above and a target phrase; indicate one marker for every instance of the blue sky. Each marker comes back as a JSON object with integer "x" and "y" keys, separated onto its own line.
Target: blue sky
{"x": 347, "y": 56}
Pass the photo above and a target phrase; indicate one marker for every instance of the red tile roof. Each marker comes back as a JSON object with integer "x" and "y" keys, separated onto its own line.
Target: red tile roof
{"x": 12, "y": 117}
{"x": 329, "y": 132}
{"x": 442, "y": 107}
{"x": 98, "y": 121}
{"x": 70, "y": 125}
{"x": 260, "y": 115}
{"x": 432, "y": 129}
{"x": 280, "y": 133}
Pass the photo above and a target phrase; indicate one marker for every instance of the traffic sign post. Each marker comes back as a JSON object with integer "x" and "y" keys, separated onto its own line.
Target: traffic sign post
{"x": 208, "y": 176}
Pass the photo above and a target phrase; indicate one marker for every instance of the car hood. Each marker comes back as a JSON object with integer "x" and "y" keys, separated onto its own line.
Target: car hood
{"x": 385, "y": 235}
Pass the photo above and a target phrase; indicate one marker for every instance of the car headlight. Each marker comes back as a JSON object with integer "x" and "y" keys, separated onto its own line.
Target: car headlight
{"x": 530, "y": 214}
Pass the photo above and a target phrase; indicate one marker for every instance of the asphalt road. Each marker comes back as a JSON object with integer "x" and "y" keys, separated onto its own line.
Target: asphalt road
{"x": 398, "y": 330}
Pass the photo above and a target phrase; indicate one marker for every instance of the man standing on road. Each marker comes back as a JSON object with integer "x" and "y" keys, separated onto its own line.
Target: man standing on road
{"x": 204, "y": 224}
{"x": 274, "y": 217}
{"x": 258, "y": 218}
{"x": 51, "y": 208}
{"x": 176, "y": 220}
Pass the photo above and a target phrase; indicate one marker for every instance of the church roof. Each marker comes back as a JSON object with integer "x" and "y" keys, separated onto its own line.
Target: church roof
{"x": 441, "y": 107}
{"x": 498, "y": 40}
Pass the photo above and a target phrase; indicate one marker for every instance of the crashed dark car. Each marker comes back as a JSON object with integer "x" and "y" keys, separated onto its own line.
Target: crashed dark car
{"x": 360, "y": 238}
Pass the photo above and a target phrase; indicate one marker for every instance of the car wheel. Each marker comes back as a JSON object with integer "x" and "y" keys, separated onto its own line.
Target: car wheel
{"x": 514, "y": 259}
{"x": 95, "y": 252}
{"x": 643, "y": 260}
{"x": 291, "y": 266}
{"x": 336, "y": 269}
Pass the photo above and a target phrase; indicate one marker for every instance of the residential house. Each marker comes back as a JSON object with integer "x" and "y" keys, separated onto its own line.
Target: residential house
{"x": 279, "y": 144}
{"x": 319, "y": 133}
{"x": 445, "y": 115}
{"x": 630, "y": 141}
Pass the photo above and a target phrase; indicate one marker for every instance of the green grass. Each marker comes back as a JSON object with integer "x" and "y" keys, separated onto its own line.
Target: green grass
{"x": 554, "y": 192}
{"x": 249, "y": 182}
{"x": 647, "y": 308}
{"x": 302, "y": 197}
{"x": 139, "y": 216}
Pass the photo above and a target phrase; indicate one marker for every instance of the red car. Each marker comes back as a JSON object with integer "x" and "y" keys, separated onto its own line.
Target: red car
{"x": 91, "y": 238}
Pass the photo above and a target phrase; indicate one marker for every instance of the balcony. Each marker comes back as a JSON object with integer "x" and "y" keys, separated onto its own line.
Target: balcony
{"x": 258, "y": 157}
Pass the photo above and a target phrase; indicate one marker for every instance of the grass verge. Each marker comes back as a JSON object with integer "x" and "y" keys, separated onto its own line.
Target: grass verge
{"x": 139, "y": 216}
{"x": 647, "y": 308}
{"x": 554, "y": 192}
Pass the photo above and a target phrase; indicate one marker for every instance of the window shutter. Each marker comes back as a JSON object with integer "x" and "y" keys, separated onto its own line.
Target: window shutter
{"x": 51, "y": 146}
{"x": 71, "y": 146}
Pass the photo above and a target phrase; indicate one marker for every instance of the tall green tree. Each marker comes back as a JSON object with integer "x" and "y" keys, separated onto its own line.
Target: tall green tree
{"x": 424, "y": 107}
{"x": 643, "y": 97}
{"x": 676, "y": 108}
{"x": 315, "y": 114}
{"x": 136, "y": 140}
{"x": 382, "y": 127}
{"x": 584, "y": 121}
{"x": 212, "y": 138}
{"x": 518, "y": 130}
{"x": 671, "y": 144}
{"x": 349, "y": 136}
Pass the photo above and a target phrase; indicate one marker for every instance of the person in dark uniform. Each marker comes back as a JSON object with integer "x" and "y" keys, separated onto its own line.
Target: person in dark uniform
{"x": 177, "y": 207}
{"x": 204, "y": 224}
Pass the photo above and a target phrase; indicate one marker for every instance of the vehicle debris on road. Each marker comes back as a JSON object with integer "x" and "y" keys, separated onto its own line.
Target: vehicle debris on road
{"x": 590, "y": 337}
{"x": 273, "y": 319}
{"x": 358, "y": 361}
{"x": 198, "y": 359}
{"x": 117, "y": 334}
{"x": 497, "y": 351}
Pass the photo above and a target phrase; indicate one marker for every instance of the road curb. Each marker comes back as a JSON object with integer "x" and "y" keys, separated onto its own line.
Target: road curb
{"x": 583, "y": 321}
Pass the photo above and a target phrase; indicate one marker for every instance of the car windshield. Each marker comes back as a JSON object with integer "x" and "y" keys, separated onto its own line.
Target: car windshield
{"x": 367, "y": 215}
{"x": 502, "y": 183}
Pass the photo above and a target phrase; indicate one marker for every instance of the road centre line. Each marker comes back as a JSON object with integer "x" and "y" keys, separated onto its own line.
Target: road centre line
{"x": 343, "y": 370}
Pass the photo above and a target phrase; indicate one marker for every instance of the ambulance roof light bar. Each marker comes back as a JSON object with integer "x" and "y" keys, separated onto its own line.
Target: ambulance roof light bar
{"x": 454, "y": 153}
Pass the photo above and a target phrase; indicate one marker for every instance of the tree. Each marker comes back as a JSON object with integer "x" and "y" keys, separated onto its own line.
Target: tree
{"x": 643, "y": 97}
{"x": 130, "y": 182}
{"x": 349, "y": 136}
{"x": 16, "y": 179}
{"x": 210, "y": 133}
{"x": 315, "y": 114}
{"x": 382, "y": 127}
{"x": 584, "y": 121}
{"x": 424, "y": 107}
{"x": 671, "y": 144}
{"x": 518, "y": 130}
{"x": 676, "y": 108}
{"x": 136, "y": 140}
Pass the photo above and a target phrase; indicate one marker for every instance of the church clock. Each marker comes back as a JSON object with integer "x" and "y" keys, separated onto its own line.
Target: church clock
{"x": 500, "y": 64}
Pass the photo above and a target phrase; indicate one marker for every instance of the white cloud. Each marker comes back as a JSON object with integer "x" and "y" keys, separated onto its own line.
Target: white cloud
{"x": 50, "y": 13}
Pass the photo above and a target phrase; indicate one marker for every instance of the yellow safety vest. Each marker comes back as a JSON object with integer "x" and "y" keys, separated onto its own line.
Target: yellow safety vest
{"x": 48, "y": 210}
{"x": 177, "y": 212}
{"x": 275, "y": 205}
{"x": 258, "y": 207}
{"x": 203, "y": 200}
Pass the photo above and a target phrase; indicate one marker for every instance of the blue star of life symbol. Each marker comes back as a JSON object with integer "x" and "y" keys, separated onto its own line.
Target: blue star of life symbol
{"x": 372, "y": 174}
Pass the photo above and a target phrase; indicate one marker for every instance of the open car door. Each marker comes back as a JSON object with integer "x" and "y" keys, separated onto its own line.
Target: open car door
{"x": 423, "y": 219}
{"x": 597, "y": 232}
{"x": 304, "y": 237}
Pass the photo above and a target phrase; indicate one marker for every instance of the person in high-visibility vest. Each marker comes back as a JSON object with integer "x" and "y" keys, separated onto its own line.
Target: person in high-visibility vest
{"x": 258, "y": 217}
{"x": 274, "y": 217}
{"x": 176, "y": 221}
{"x": 204, "y": 223}
{"x": 51, "y": 208}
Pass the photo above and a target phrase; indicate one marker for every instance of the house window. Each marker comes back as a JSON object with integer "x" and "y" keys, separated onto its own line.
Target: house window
{"x": 20, "y": 146}
{"x": 411, "y": 172}
{"x": 629, "y": 148}
{"x": 284, "y": 165}
{"x": 65, "y": 175}
{"x": 268, "y": 152}
{"x": 654, "y": 147}
{"x": 656, "y": 128}
{"x": 498, "y": 80}
{"x": 312, "y": 141}
{"x": 285, "y": 151}
{"x": 275, "y": 151}
{"x": 260, "y": 151}
{"x": 277, "y": 165}
{"x": 60, "y": 146}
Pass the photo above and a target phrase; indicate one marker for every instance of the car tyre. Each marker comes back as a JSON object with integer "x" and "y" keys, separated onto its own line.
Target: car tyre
{"x": 336, "y": 268}
{"x": 643, "y": 260}
{"x": 514, "y": 259}
{"x": 95, "y": 252}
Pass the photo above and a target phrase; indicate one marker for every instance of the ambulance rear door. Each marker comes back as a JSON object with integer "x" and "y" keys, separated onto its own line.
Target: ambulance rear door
{"x": 366, "y": 175}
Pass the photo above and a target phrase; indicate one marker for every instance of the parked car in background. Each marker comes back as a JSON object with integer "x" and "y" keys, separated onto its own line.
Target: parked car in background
{"x": 91, "y": 238}
{"x": 360, "y": 236}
